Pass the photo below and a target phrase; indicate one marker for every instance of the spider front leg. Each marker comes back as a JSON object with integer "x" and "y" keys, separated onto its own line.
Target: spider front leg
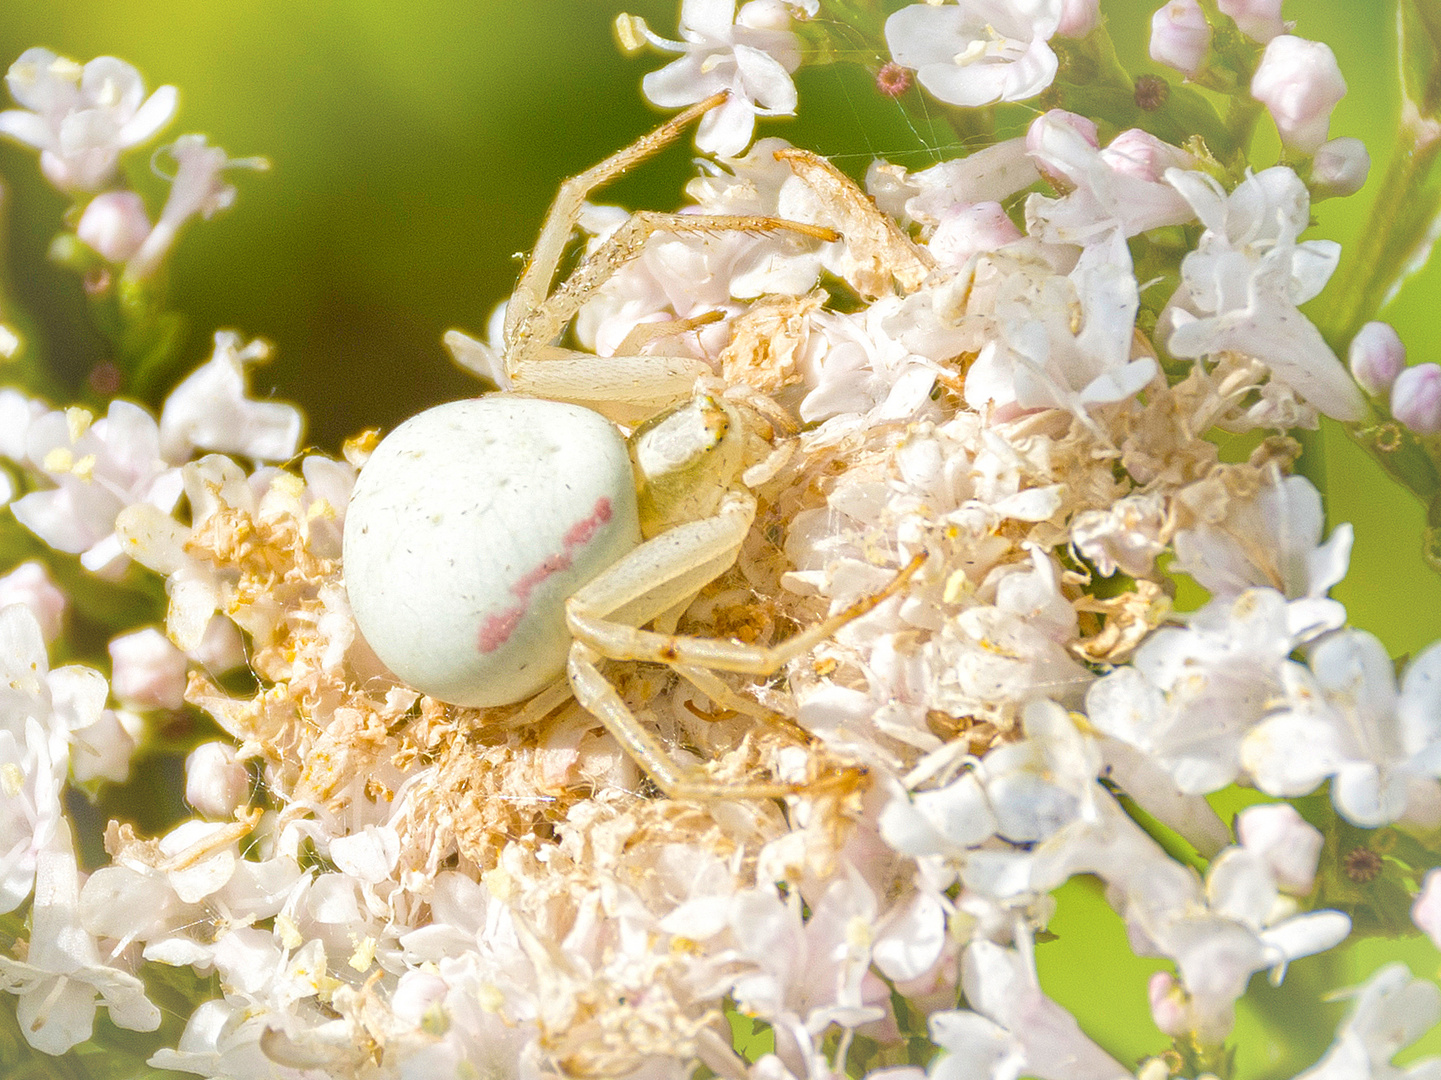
{"x": 603, "y": 617}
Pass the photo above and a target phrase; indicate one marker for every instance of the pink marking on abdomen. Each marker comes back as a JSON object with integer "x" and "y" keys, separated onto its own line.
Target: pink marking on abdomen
{"x": 495, "y": 631}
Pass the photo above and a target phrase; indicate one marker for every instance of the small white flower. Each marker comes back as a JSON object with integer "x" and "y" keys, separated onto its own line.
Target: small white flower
{"x": 1272, "y": 540}
{"x": 100, "y": 467}
{"x": 1015, "y": 1029}
{"x": 1065, "y": 342}
{"x": 1345, "y": 719}
{"x": 750, "y": 54}
{"x": 1391, "y": 1011}
{"x": 209, "y": 410}
{"x": 197, "y": 188}
{"x": 977, "y": 52}
{"x": 216, "y": 782}
{"x": 63, "y": 973}
{"x": 81, "y": 118}
{"x": 1241, "y": 286}
{"x": 1116, "y": 189}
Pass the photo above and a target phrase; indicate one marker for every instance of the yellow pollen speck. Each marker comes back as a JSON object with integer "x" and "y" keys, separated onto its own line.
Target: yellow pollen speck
{"x": 84, "y": 468}
{"x": 12, "y": 779}
{"x": 64, "y": 67}
{"x": 58, "y": 460}
{"x": 78, "y": 421}
{"x": 973, "y": 52}
{"x": 630, "y": 32}
{"x": 498, "y": 882}
{"x": 364, "y": 954}
{"x": 435, "y": 1021}
{"x": 490, "y": 997}
{"x": 290, "y": 935}
{"x": 858, "y": 933}
{"x": 320, "y": 508}
{"x": 957, "y": 586}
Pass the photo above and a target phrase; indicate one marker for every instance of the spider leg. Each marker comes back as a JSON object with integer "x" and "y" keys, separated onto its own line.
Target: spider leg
{"x": 619, "y": 641}
{"x": 596, "y": 694}
{"x": 560, "y": 219}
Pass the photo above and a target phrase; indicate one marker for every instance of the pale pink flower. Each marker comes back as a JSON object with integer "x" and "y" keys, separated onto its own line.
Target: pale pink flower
{"x": 210, "y": 409}
{"x": 198, "y": 188}
{"x": 750, "y": 54}
{"x": 146, "y": 670}
{"x": 30, "y": 584}
{"x": 81, "y": 118}
{"x": 977, "y": 52}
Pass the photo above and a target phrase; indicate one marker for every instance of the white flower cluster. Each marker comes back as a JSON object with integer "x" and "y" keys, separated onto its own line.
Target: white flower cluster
{"x": 387, "y": 886}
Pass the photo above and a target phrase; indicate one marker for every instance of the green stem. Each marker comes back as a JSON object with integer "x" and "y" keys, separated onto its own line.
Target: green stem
{"x": 1398, "y": 232}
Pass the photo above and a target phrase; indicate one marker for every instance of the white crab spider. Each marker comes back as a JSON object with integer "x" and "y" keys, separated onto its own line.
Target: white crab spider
{"x": 494, "y": 544}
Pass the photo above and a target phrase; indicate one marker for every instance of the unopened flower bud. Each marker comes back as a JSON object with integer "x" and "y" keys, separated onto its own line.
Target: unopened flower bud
{"x": 115, "y": 224}
{"x": 1259, "y": 20}
{"x": 1377, "y": 357}
{"x": 1289, "y": 844}
{"x": 1339, "y": 168}
{"x": 216, "y": 783}
{"x": 1300, "y": 83}
{"x": 146, "y": 670}
{"x": 1416, "y": 398}
{"x": 1040, "y": 142}
{"x": 1140, "y": 154}
{"x": 1168, "y": 1004}
{"x": 1180, "y": 36}
{"x": 30, "y": 584}
{"x": 764, "y": 15}
{"x": 1078, "y": 17}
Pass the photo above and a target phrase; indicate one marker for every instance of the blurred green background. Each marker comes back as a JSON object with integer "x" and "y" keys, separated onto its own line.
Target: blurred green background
{"x": 415, "y": 147}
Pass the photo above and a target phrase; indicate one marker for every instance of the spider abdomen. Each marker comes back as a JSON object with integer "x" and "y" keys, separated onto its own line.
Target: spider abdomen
{"x": 469, "y": 526}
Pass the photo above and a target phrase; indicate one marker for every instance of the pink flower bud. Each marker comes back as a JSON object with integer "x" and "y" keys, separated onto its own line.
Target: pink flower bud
{"x": 1340, "y": 167}
{"x": 1036, "y": 133}
{"x": 1416, "y": 398}
{"x": 1377, "y": 357}
{"x": 1078, "y": 17}
{"x": 1258, "y": 19}
{"x": 1289, "y": 845}
{"x": 216, "y": 783}
{"x": 1168, "y": 1004}
{"x": 30, "y": 584}
{"x": 1140, "y": 154}
{"x": 146, "y": 670}
{"x": 114, "y": 224}
{"x": 1180, "y": 36}
{"x": 1426, "y": 912}
{"x": 1300, "y": 83}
